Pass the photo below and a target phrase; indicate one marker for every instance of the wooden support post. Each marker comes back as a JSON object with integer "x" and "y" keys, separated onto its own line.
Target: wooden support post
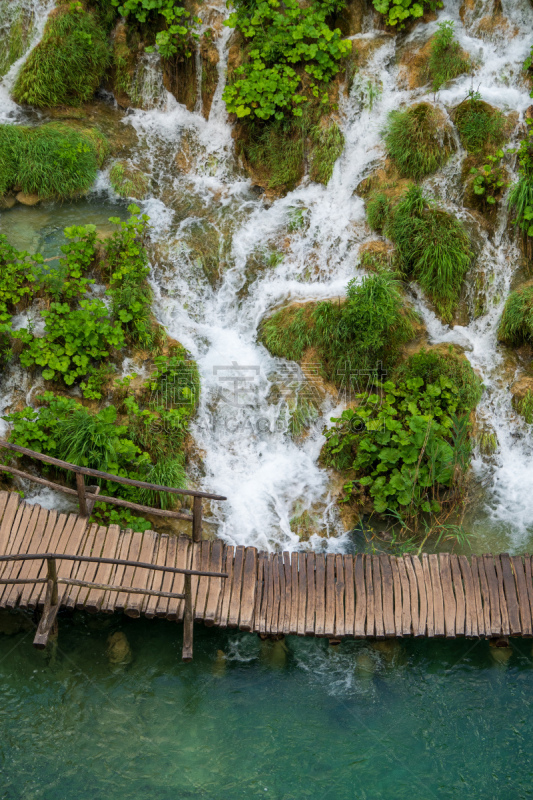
{"x": 80, "y": 485}
{"x": 52, "y": 576}
{"x": 187, "y": 621}
{"x": 94, "y": 490}
{"x": 47, "y": 624}
{"x": 197, "y": 519}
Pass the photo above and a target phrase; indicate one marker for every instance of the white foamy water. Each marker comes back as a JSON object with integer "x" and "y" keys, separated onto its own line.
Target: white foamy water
{"x": 301, "y": 247}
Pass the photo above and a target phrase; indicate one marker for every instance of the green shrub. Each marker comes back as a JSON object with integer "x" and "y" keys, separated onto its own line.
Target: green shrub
{"x": 283, "y": 37}
{"x": 480, "y": 127}
{"x": 489, "y": 181}
{"x": 417, "y": 141}
{"x": 396, "y": 12}
{"x": 327, "y": 145}
{"x": 446, "y": 59}
{"x": 406, "y": 446}
{"x": 180, "y": 24}
{"x": 521, "y": 194}
{"x": 67, "y": 280}
{"x": 68, "y": 64}
{"x": 367, "y": 329}
{"x": 19, "y": 278}
{"x": 516, "y": 324}
{"x": 433, "y": 248}
{"x": 52, "y": 161}
{"x": 430, "y": 365}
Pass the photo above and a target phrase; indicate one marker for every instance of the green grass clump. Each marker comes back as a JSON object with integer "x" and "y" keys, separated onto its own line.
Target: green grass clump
{"x": 377, "y": 211}
{"x": 433, "y": 248}
{"x": 128, "y": 181}
{"x": 52, "y": 161}
{"x": 524, "y": 406}
{"x": 521, "y": 194}
{"x": 68, "y": 64}
{"x": 431, "y": 365}
{"x": 327, "y": 145}
{"x": 480, "y": 126}
{"x": 417, "y": 140}
{"x": 277, "y": 149}
{"x": 446, "y": 59}
{"x": 516, "y": 324}
{"x": 368, "y": 328}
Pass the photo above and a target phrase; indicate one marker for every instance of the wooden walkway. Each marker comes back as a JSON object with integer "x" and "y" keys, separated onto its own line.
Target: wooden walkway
{"x": 306, "y": 594}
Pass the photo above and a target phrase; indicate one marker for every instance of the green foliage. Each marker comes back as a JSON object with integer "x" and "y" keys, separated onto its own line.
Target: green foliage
{"x": 521, "y": 194}
{"x": 430, "y": 365}
{"x": 283, "y": 37}
{"x": 175, "y": 38}
{"x": 128, "y": 181}
{"x": 416, "y": 140}
{"x": 406, "y": 446}
{"x": 67, "y": 281}
{"x": 52, "y": 161}
{"x": 328, "y": 144}
{"x": 489, "y": 180}
{"x": 396, "y": 12}
{"x": 169, "y": 471}
{"x": 18, "y": 278}
{"x": 278, "y": 148}
{"x": 524, "y": 406}
{"x": 367, "y": 329}
{"x": 433, "y": 248}
{"x": 446, "y": 59}
{"x": 528, "y": 64}
{"x": 378, "y": 208}
{"x": 68, "y": 64}
{"x": 480, "y": 127}
{"x": 516, "y": 324}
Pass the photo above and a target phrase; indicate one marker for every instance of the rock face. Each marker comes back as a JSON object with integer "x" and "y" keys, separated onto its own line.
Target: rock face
{"x": 27, "y": 199}
{"x": 7, "y": 201}
{"x": 118, "y": 649}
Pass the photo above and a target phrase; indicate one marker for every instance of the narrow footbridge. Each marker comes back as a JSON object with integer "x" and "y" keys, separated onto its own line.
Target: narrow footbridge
{"x": 306, "y": 594}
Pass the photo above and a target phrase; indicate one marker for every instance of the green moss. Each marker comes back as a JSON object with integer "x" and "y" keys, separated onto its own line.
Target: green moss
{"x": 446, "y": 59}
{"x": 68, "y": 64}
{"x": 327, "y": 145}
{"x": 433, "y": 248}
{"x": 480, "y": 126}
{"x": 524, "y": 406}
{"x": 52, "y": 161}
{"x": 516, "y": 325}
{"x": 276, "y": 151}
{"x": 128, "y": 181}
{"x": 417, "y": 140}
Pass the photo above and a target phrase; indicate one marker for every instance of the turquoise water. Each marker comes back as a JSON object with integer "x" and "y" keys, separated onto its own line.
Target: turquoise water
{"x": 247, "y": 719}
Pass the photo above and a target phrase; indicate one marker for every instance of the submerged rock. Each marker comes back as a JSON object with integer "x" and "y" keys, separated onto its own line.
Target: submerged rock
{"x": 27, "y": 199}
{"x": 118, "y": 649}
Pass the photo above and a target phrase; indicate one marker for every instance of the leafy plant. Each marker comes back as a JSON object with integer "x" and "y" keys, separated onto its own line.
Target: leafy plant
{"x": 480, "y": 126}
{"x": 433, "y": 248}
{"x": 396, "y": 12}
{"x": 446, "y": 58}
{"x": 67, "y": 281}
{"x": 489, "y": 180}
{"x": 180, "y": 23}
{"x": 67, "y": 65}
{"x": 516, "y": 324}
{"x": 52, "y": 161}
{"x": 283, "y": 37}
{"x": 19, "y": 277}
{"x": 417, "y": 140}
{"x": 521, "y": 194}
{"x": 406, "y": 446}
{"x": 528, "y": 64}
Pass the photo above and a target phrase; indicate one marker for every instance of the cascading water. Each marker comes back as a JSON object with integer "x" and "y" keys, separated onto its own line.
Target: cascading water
{"x": 304, "y": 246}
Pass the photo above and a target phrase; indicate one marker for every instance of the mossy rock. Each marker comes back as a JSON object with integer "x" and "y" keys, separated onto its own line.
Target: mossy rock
{"x": 17, "y": 27}
{"x": 516, "y": 324}
{"x": 482, "y": 128}
{"x": 210, "y": 58}
{"x": 128, "y": 181}
{"x": 418, "y": 140}
{"x": 522, "y": 398}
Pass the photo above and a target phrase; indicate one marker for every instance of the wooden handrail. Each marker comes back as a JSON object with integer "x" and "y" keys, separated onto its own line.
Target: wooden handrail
{"x": 120, "y": 561}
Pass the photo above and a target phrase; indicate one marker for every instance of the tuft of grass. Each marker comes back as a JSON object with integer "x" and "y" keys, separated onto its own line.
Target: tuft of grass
{"x": 52, "y": 161}
{"x": 417, "y": 140}
{"x": 516, "y": 324}
{"x": 446, "y": 58}
{"x": 165, "y": 472}
{"x": 277, "y": 149}
{"x": 68, "y": 64}
{"x": 524, "y": 406}
{"x": 128, "y": 181}
{"x": 481, "y": 127}
{"x": 357, "y": 335}
{"x": 377, "y": 211}
{"x": 430, "y": 365}
{"x": 327, "y": 145}
{"x": 433, "y": 248}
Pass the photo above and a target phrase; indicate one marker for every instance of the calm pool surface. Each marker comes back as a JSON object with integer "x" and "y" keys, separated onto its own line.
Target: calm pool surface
{"x": 248, "y": 719}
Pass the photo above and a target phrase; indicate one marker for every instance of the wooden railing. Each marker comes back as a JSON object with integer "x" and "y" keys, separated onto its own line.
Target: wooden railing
{"x": 48, "y": 621}
{"x": 89, "y": 495}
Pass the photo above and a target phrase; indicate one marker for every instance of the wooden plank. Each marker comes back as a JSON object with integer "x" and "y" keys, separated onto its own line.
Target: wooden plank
{"x": 417, "y": 595}
{"x": 310, "y": 607}
{"x": 480, "y": 610}
{"x": 97, "y": 547}
{"x": 150, "y": 606}
{"x": 406, "y": 622}
{"x": 86, "y": 549}
{"x": 370, "y": 625}
{"x": 448, "y": 596}
{"x": 430, "y": 622}
{"x": 228, "y": 585}
{"x": 302, "y": 592}
{"x": 215, "y": 587}
{"x": 339, "y": 596}
{"x": 460, "y": 605}
{"x": 504, "y": 611}
{"x": 270, "y": 594}
{"x": 511, "y": 594}
{"x": 287, "y": 573}
{"x": 34, "y": 532}
{"x": 142, "y": 577}
{"x": 167, "y": 580}
{"x": 378, "y": 601}
{"x": 274, "y": 618}
{"x": 60, "y": 534}
{"x": 320, "y": 595}
{"x": 258, "y": 590}
{"x": 183, "y": 559}
{"x": 471, "y": 619}
{"x": 529, "y": 582}
{"x": 95, "y": 598}
{"x": 263, "y": 613}
{"x": 135, "y": 548}
{"x": 438, "y": 602}
{"x": 523, "y": 601}
{"x": 329, "y": 626}
{"x": 397, "y": 588}
{"x": 4, "y": 497}
{"x": 388, "y": 596}
{"x": 73, "y": 545}
{"x": 195, "y": 563}
{"x": 282, "y": 597}
{"x": 203, "y": 583}
{"x": 10, "y": 513}
{"x": 293, "y": 627}
{"x": 360, "y": 595}
{"x": 107, "y": 605}
{"x": 478, "y": 561}
{"x": 31, "y": 569}
{"x": 494, "y": 597}
{"x": 349, "y": 596}
{"x": 15, "y": 544}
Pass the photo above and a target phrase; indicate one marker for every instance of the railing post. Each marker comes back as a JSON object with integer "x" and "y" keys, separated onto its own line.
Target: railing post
{"x": 52, "y": 576}
{"x": 187, "y": 621}
{"x": 197, "y": 519}
{"x": 80, "y": 485}
{"x": 48, "y": 622}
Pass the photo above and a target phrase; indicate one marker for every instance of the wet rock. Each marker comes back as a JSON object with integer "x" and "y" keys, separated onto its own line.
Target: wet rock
{"x": 274, "y": 653}
{"x": 118, "y": 649}
{"x": 7, "y": 201}
{"x": 210, "y": 58}
{"x": 219, "y": 667}
{"x": 500, "y": 655}
{"x": 27, "y": 199}
{"x": 350, "y": 19}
